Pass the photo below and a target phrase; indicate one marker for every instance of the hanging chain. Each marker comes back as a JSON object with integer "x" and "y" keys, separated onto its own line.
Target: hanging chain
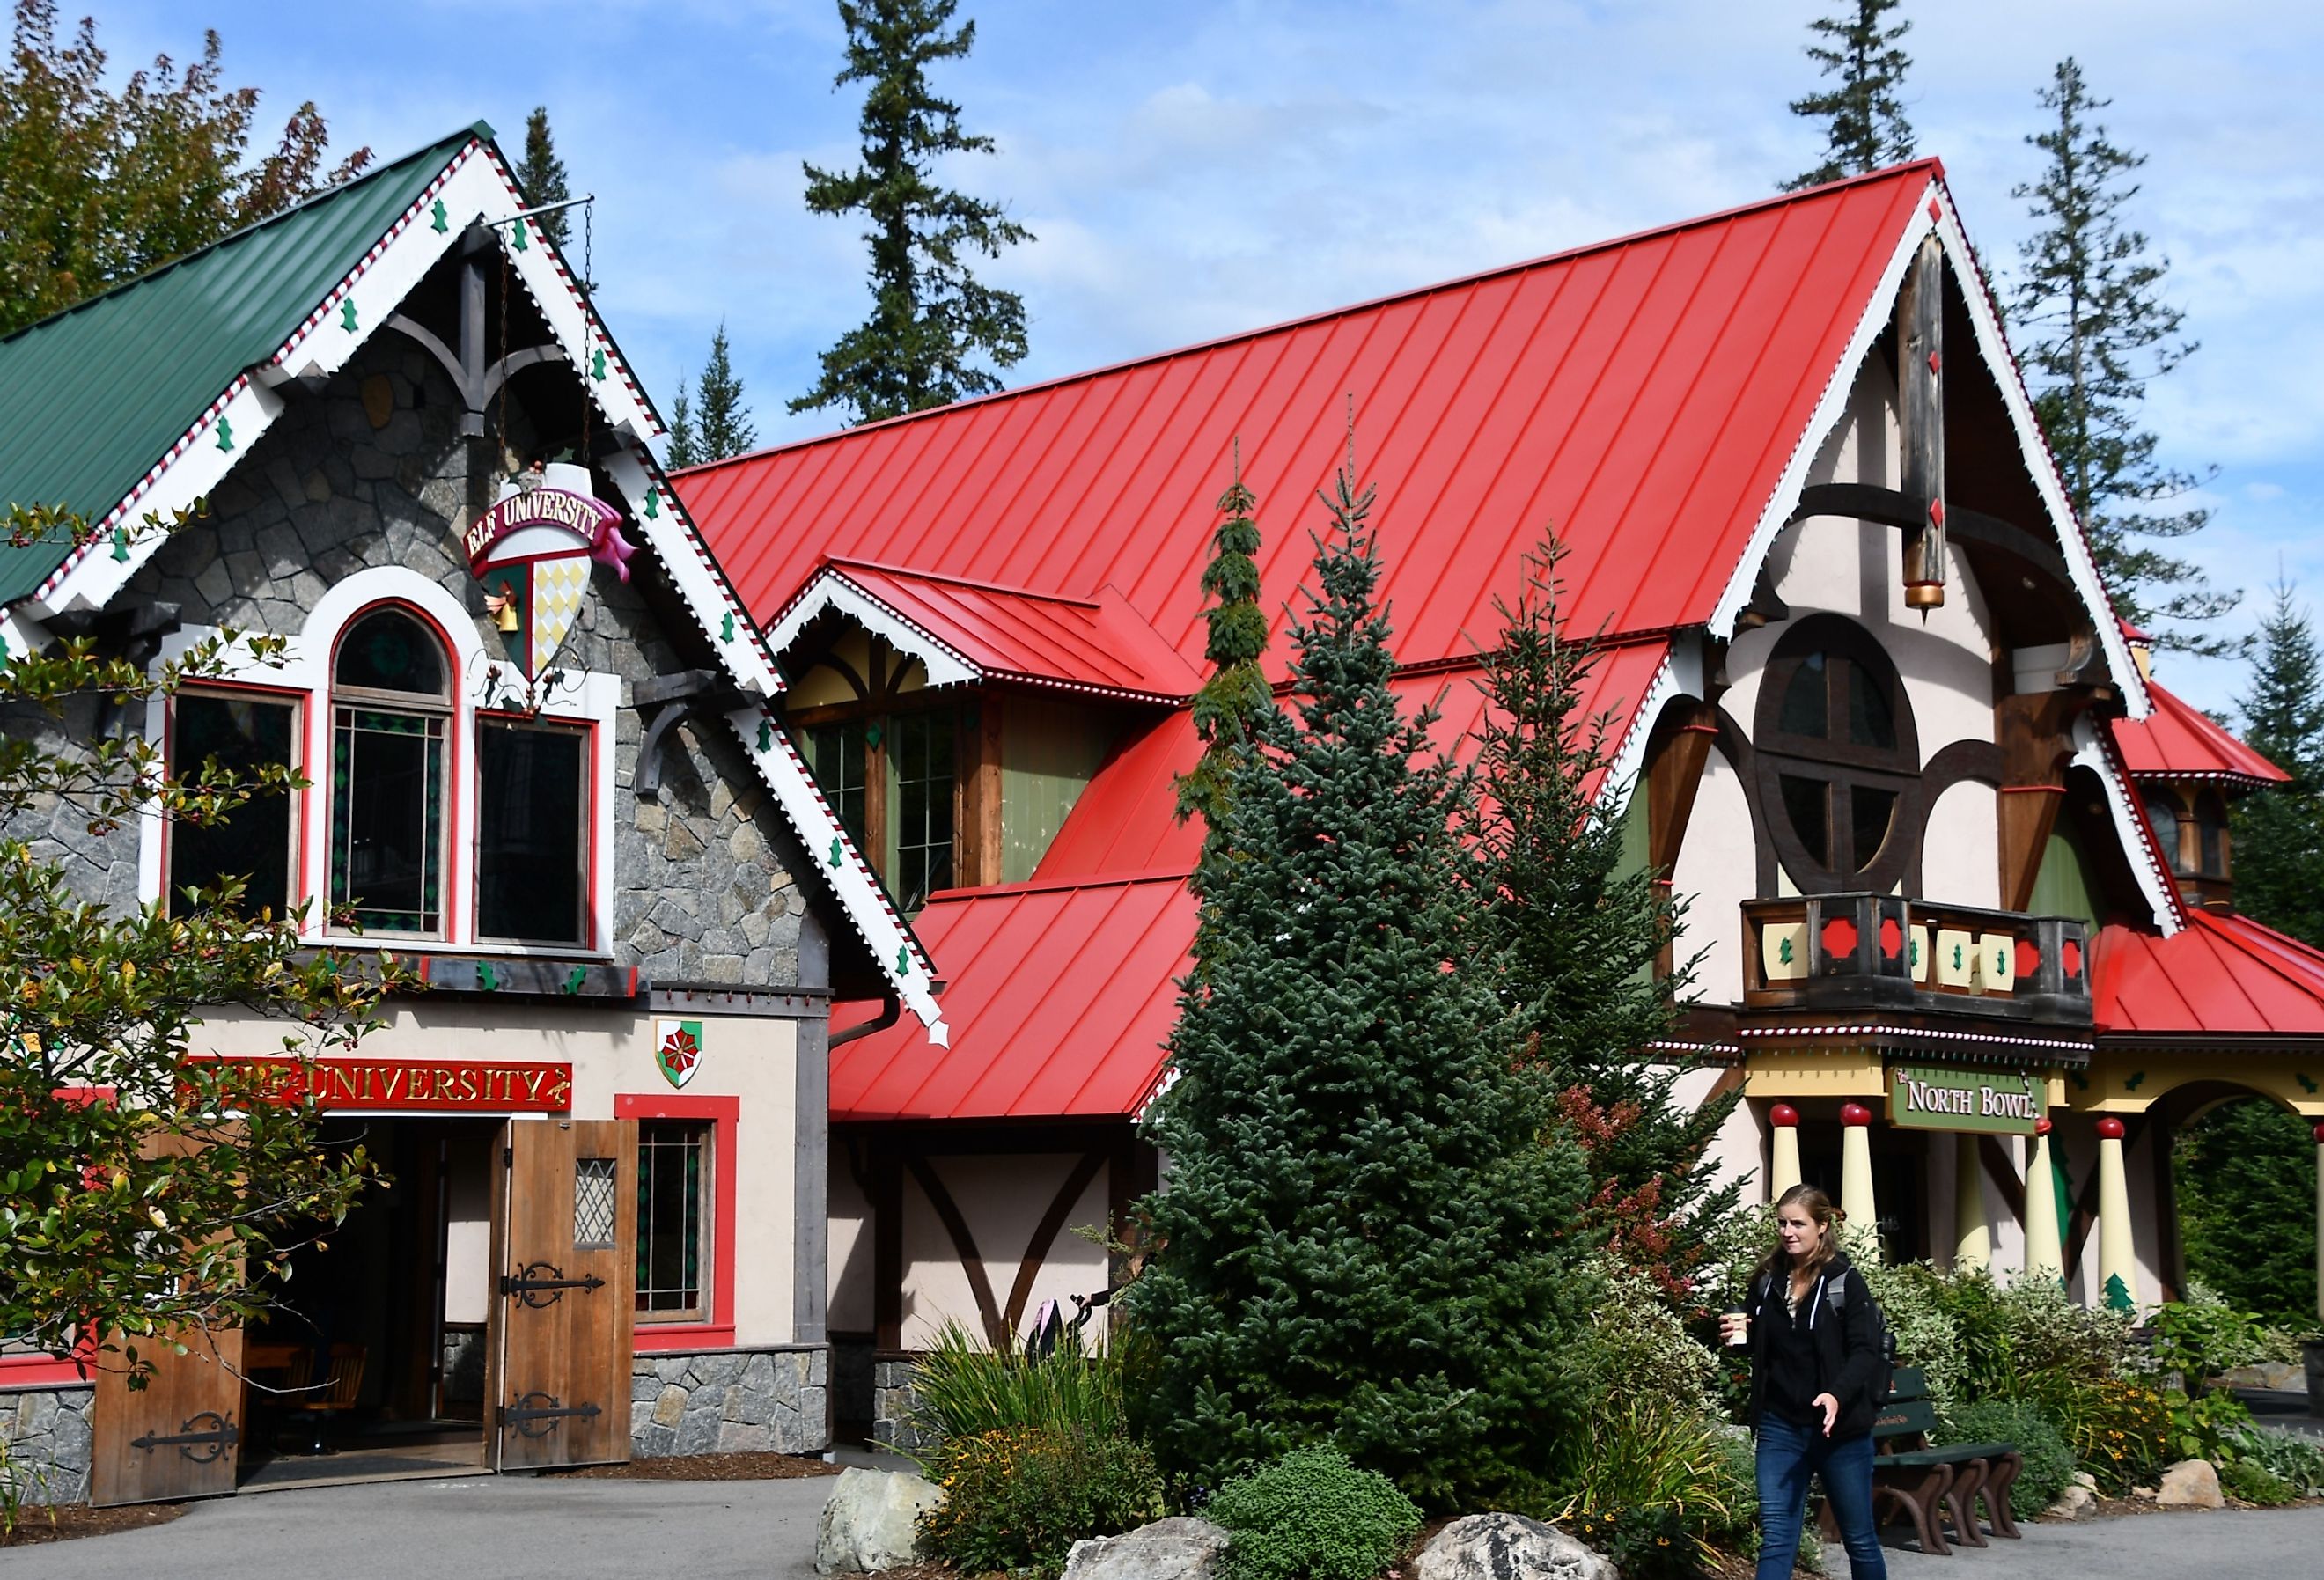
{"x": 588, "y": 324}
{"x": 503, "y": 457}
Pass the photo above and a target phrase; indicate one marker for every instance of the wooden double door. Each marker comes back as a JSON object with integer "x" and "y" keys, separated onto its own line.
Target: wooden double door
{"x": 557, "y": 1335}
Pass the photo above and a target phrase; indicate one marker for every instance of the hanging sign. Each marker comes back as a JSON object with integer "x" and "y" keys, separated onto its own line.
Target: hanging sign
{"x": 1988, "y": 1101}
{"x": 677, "y": 1049}
{"x": 533, "y": 552}
{"x": 465, "y": 1085}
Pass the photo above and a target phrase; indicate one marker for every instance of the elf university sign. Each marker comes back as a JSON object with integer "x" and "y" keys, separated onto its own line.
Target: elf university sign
{"x": 1997, "y": 1103}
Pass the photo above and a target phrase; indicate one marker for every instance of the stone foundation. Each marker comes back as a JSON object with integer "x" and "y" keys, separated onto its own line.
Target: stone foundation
{"x": 47, "y": 1434}
{"x": 730, "y": 1401}
{"x": 891, "y": 1406}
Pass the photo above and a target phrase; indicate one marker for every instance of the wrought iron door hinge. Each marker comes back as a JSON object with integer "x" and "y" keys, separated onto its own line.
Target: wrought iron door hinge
{"x": 536, "y": 1414}
{"x": 192, "y": 1439}
{"x": 549, "y": 1282}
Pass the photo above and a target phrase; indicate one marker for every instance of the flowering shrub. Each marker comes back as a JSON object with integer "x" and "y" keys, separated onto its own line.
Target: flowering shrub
{"x": 1312, "y": 1516}
{"x": 2116, "y": 1430}
{"x": 1657, "y": 1487}
{"x": 1637, "y": 1347}
{"x": 1020, "y": 1497}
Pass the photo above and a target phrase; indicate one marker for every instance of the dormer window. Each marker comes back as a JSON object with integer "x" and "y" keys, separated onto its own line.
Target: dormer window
{"x": 391, "y": 706}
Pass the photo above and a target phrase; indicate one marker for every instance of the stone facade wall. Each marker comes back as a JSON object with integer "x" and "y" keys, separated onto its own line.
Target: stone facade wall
{"x": 370, "y": 471}
{"x": 891, "y": 1407}
{"x": 47, "y": 1434}
{"x": 730, "y": 1401}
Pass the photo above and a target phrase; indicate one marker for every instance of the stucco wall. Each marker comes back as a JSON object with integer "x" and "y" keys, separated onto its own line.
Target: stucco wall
{"x": 1001, "y": 1199}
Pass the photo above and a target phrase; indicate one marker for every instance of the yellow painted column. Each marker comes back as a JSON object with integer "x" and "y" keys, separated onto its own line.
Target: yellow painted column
{"x": 2319, "y": 1221}
{"x": 2045, "y": 1253}
{"x": 1856, "y": 1174}
{"x": 1972, "y": 1234}
{"x": 2117, "y": 1265}
{"x": 1783, "y": 1150}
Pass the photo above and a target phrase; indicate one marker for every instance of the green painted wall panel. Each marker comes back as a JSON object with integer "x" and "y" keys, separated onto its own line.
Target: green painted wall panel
{"x": 2065, "y": 886}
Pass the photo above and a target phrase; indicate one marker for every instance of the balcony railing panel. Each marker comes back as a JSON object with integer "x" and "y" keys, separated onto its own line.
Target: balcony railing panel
{"x": 1842, "y": 951}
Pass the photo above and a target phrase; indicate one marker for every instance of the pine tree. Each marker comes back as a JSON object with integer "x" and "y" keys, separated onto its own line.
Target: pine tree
{"x": 1865, "y": 126}
{"x": 1361, "y": 1241}
{"x": 722, "y": 423}
{"x": 2245, "y": 1177}
{"x": 684, "y": 449}
{"x": 541, "y": 176}
{"x": 2279, "y": 832}
{"x": 1578, "y": 930}
{"x": 2094, "y": 330}
{"x": 933, "y": 323}
{"x": 1236, "y": 695}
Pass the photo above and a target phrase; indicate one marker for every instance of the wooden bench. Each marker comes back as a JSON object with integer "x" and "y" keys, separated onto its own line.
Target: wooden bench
{"x": 1910, "y": 1477}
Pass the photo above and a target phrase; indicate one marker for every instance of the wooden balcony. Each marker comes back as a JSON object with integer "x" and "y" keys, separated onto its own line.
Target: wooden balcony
{"x": 1853, "y": 952}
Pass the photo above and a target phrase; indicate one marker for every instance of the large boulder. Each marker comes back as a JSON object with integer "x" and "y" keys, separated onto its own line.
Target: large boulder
{"x": 1507, "y": 1547}
{"x": 1177, "y": 1548}
{"x": 2078, "y": 1502}
{"x": 2191, "y": 1483}
{"x": 869, "y": 1520}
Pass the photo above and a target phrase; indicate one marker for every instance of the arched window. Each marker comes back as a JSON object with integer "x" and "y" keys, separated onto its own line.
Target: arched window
{"x": 2162, "y": 816}
{"x": 1838, "y": 759}
{"x": 391, "y": 706}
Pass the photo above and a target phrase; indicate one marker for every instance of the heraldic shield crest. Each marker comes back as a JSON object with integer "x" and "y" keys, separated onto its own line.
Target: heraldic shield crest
{"x": 533, "y": 552}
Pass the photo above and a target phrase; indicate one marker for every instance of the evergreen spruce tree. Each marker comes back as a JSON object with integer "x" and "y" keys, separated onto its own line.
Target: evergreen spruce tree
{"x": 684, "y": 449}
{"x": 933, "y": 323}
{"x": 2279, "y": 832}
{"x": 1578, "y": 930}
{"x": 540, "y": 175}
{"x": 2093, "y": 331}
{"x": 1236, "y": 694}
{"x": 2246, "y": 1178}
{"x": 1864, "y": 122}
{"x": 1362, "y": 1241}
{"x": 722, "y": 422}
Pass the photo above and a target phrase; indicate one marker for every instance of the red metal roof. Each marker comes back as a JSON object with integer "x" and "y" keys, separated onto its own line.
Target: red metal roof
{"x": 2223, "y": 976}
{"x": 1097, "y": 644}
{"x": 1061, "y": 996}
{"x": 1642, "y": 396}
{"x": 2179, "y": 741}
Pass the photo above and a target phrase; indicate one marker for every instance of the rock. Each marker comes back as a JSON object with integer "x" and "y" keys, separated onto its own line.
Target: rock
{"x": 2083, "y": 1478}
{"x": 1177, "y": 1548}
{"x": 2191, "y": 1483}
{"x": 2145, "y": 1493}
{"x": 869, "y": 1520}
{"x": 2078, "y": 1502}
{"x": 1507, "y": 1547}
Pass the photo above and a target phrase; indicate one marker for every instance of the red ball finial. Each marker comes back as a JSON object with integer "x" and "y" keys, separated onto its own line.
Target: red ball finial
{"x": 2109, "y": 1129}
{"x": 1783, "y": 1116}
{"x": 2042, "y": 1126}
{"x": 1855, "y": 1113}
{"x": 2320, "y": 1135}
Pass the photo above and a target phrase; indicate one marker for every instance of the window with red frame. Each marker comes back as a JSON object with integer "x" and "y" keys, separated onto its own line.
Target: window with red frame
{"x": 674, "y": 1195}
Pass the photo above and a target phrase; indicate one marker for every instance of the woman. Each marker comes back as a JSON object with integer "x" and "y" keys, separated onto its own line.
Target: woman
{"x": 1808, "y": 1320}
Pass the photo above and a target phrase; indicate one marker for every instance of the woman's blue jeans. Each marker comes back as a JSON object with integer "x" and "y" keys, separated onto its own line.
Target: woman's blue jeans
{"x": 1788, "y": 1455}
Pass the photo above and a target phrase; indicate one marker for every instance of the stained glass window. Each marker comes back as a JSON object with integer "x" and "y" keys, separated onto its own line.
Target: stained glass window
{"x": 391, "y": 709}
{"x": 529, "y": 826}
{"x": 242, "y": 733}
{"x": 673, "y": 1165}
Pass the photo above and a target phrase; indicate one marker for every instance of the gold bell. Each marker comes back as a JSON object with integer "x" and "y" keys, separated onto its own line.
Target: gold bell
{"x": 504, "y": 614}
{"x": 1925, "y": 594}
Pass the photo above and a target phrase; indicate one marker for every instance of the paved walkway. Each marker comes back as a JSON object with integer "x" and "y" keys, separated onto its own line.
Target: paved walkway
{"x": 479, "y": 1528}
{"x": 2219, "y": 1544}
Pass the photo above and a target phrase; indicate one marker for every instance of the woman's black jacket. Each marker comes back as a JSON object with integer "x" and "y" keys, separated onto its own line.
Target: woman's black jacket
{"x": 1841, "y": 1335}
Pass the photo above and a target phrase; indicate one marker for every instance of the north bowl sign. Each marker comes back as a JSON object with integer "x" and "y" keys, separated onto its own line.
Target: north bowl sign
{"x": 1996, "y": 1102}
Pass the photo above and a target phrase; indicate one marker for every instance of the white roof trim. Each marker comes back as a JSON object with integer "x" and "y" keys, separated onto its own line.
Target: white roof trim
{"x": 1993, "y": 346}
{"x": 831, "y": 588}
{"x": 1629, "y": 761}
{"x": 2146, "y": 863}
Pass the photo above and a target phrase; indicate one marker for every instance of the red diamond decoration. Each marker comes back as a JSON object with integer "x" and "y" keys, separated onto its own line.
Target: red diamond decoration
{"x": 1937, "y": 511}
{"x": 1936, "y": 363}
{"x": 1936, "y": 213}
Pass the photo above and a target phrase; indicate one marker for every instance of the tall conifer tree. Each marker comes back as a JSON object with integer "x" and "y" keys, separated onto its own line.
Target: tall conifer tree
{"x": 1236, "y": 695}
{"x": 2279, "y": 832}
{"x": 2093, "y": 331}
{"x": 684, "y": 449}
{"x": 934, "y": 325}
{"x": 1362, "y": 1239}
{"x": 1865, "y": 126}
{"x": 722, "y": 422}
{"x": 1579, "y": 927}
{"x": 540, "y": 175}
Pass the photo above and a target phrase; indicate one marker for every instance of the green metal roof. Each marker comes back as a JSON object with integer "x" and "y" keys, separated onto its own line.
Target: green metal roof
{"x": 92, "y": 397}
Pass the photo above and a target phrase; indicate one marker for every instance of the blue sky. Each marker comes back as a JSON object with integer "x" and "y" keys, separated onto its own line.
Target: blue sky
{"x": 1197, "y": 169}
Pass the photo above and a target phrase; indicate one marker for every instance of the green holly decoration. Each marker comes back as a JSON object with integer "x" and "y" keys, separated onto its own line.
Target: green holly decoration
{"x": 226, "y": 434}
{"x": 834, "y": 857}
{"x": 766, "y": 735}
{"x": 872, "y": 735}
{"x": 518, "y": 240}
{"x": 121, "y": 543}
{"x": 2305, "y": 1083}
{"x": 440, "y": 222}
{"x": 2132, "y": 1084}
{"x": 2117, "y": 1297}
{"x": 597, "y": 364}
{"x": 653, "y": 505}
{"x": 486, "y": 977}
{"x": 575, "y": 978}
{"x": 347, "y": 315}
{"x": 726, "y": 627}
{"x": 1784, "y": 951}
{"x": 1957, "y": 957}
{"x": 2000, "y": 963}
{"x": 903, "y": 960}
{"x": 1913, "y": 955}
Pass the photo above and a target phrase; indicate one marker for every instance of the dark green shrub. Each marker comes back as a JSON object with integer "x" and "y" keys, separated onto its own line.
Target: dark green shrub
{"x": 2254, "y": 1482}
{"x": 1019, "y": 1498}
{"x": 1312, "y": 1516}
{"x": 2049, "y": 1463}
{"x": 2298, "y": 1460}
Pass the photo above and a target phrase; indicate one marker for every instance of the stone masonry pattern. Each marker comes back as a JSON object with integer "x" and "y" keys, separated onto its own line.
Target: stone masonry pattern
{"x": 729, "y": 1402}
{"x": 46, "y": 1431}
{"x": 370, "y": 472}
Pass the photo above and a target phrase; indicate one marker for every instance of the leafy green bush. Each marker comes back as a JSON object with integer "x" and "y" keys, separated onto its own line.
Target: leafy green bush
{"x": 2254, "y": 1482}
{"x": 1637, "y": 1347}
{"x": 2049, "y": 1468}
{"x": 962, "y": 1389}
{"x": 1312, "y": 1516}
{"x": 2299, "y": 1461}
{"x": 2118, "y": 1431}
{"x": 1020, "y": 1497}
{"x": 1656, "y": 1487}
{"x": 2199, "y": 1341}
{"x": 1912, "y": 1297}
{"x": 2203, "y": 1426}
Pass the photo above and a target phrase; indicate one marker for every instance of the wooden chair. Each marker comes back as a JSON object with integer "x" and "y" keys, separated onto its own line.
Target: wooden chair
{"x": 333, "y": 1394}
{"x": 1912, "y": 1479}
